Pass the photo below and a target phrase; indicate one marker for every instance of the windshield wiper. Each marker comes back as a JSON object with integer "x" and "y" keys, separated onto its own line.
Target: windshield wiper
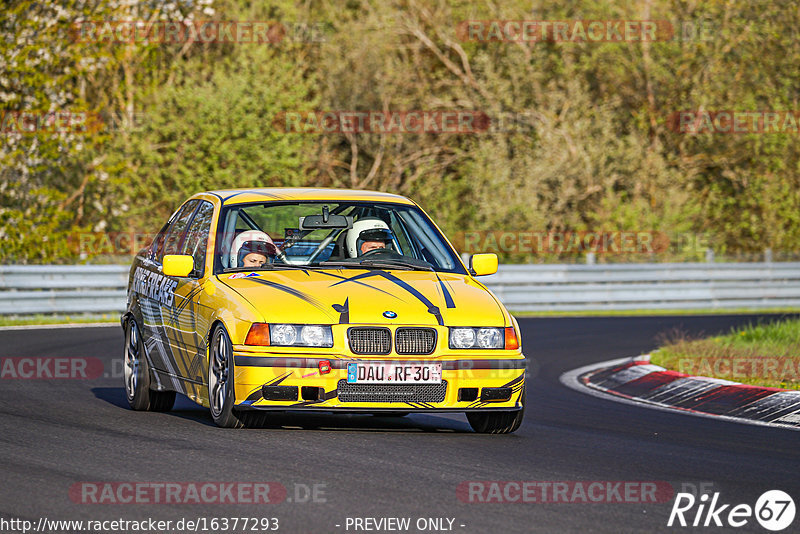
{"x": 377, "y": 264}
{"x": 398, "y": 264}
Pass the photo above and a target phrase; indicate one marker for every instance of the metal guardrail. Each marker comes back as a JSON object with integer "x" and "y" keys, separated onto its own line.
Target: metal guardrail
{"x": 62, "y": 289}
{"x": 661, "y": 286}
{"x": 102, "y": 288}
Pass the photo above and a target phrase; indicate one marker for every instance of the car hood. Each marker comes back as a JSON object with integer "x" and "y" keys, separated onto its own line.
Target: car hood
{"x": 361, "y": 296}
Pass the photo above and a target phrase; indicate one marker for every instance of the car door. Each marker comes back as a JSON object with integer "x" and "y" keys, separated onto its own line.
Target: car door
{"x": 191, "y": 310}
{"x": 158, "y": 307}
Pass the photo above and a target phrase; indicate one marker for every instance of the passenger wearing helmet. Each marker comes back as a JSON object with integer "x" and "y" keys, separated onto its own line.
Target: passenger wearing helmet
{"x": 366, "y": 235}
{"x": 252, "y": 249}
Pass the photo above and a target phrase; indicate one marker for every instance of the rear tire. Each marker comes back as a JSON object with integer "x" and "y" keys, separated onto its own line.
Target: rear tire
{"x": 221, "y": 390}
{"x": 136, "y": 374}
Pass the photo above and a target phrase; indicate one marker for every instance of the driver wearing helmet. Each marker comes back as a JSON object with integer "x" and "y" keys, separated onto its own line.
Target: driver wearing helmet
{"x": 366, "y": 235}
{"x": 252, "y": 249}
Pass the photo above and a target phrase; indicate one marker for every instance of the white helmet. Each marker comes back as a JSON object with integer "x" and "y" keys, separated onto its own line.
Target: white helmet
{"x": 251, "y": 241}
{"x": 367, "y": 229}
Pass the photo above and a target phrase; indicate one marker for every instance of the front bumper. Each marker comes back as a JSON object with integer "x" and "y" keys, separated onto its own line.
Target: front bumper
{"x": 464, "y": 380}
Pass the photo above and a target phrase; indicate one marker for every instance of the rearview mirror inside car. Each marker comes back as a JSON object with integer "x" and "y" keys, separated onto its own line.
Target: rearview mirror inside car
{"x": 313, "y": 222}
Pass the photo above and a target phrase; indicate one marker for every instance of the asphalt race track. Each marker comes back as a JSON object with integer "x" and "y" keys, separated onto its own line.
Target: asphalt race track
{"x": 57, "y": 433}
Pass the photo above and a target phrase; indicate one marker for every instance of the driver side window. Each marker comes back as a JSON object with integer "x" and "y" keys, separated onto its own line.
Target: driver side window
{"x": 196, "y": 242}
{"x": 174, "y": 237}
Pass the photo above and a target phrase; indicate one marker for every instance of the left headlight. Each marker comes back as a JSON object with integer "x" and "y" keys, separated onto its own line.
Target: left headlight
{"x": 484, "y": 338}
{"x": 291, "y": 335}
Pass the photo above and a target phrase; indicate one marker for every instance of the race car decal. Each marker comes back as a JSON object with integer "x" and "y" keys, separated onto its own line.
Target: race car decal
{"x": 432, "y": 309}
{"x": 448, "y": 299}
{"x": 154, "y": 286}
{"x": 292, "y": 291}
{"x": 419, "y": 405}
{"x": 243, "y": 275}
{"x": 344, "y": 310}
{"x": 175, "y": 312}
{"x": 157, "y": 346}
{"x": 251, "y": 192}
{"x": 517, "y": 386}
{"x": 254, "y": 396}
{"x": 278, "y": 380}
{"x": 346, "y": 279}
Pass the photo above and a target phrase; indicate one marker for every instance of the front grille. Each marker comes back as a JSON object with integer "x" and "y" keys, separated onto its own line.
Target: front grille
{"x": 370, "y": 340}
{"x": 414, "y": 340}
{"x": 391, "y": 392}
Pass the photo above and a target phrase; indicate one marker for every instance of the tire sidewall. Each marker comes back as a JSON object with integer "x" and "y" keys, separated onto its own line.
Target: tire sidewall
{"x": 225, "y": 417}
{"x": 139, "y": 398}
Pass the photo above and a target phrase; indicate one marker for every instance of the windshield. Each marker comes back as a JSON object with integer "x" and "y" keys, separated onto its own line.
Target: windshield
{"x": 330, "y": 234}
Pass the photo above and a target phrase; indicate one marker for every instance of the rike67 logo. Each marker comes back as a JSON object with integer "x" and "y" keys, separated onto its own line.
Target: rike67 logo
{"x": 774, "y": 510}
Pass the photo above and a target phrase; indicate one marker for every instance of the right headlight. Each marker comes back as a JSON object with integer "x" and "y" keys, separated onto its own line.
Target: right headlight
{"x": 477, "y": 338}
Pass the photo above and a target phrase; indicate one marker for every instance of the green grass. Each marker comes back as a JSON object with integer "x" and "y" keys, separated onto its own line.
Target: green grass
{"x": 765, "y": 354}
{"x": 24, "y": 320}
{"x": 646, "y": 312}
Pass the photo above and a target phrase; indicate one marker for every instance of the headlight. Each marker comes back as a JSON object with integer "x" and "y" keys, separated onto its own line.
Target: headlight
{"x": 298, "y": 335}
{"x": 290, "y": 335}
{"x": 477, "y": 338}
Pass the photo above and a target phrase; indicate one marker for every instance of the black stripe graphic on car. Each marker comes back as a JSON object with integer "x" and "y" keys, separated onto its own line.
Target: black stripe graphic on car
{"x": 344, "y": 310}
{"x": 432, "y": 309}
{"x": 346, "y": 279}
{"x": 251, "y": 192}
{"x": 292, "y": 291}
{"x": 254, "y": 396}
{"x": 448, "y": 298}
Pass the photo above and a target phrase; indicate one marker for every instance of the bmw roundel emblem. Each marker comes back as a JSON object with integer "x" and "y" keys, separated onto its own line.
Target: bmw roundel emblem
{"x": 389, "y": 314}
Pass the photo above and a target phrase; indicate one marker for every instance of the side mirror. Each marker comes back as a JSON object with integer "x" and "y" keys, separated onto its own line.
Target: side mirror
{"x": 177, "y": 265}
{"x": 483, "y": 264}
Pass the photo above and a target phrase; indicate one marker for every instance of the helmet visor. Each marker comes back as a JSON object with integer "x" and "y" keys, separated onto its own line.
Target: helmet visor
{"x": 267, "y": 250}
{"x": 376, "y": 234}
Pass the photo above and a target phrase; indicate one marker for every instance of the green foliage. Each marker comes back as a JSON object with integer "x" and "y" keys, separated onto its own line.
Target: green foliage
{"x": 584, "y": 142}
{"x": 764, "y": 354}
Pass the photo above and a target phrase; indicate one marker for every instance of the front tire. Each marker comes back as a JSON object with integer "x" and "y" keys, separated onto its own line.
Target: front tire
{"x": 221, "y": 391}
{"x": 136, "y": 373}
{"x": 495, "y": 422}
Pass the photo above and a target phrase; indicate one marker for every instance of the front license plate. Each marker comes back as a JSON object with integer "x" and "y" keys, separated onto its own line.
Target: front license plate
{"x": 394, "y": 373}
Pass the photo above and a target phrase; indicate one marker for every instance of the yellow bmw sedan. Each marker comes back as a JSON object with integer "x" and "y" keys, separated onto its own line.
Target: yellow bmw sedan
{"x": 261, "y": 300}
